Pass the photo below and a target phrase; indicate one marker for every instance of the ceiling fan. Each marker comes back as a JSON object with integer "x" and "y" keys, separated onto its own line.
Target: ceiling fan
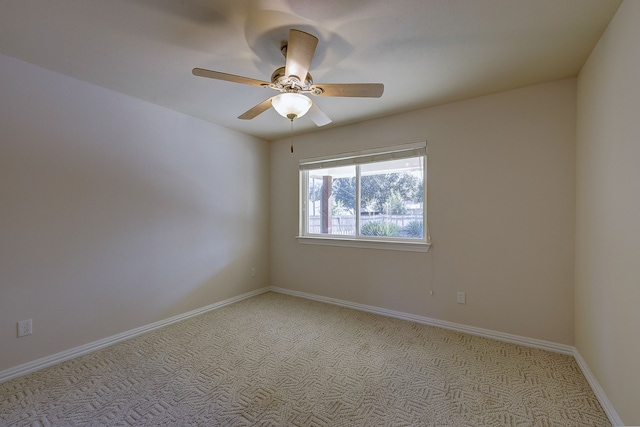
{"x": 293, "y": 81}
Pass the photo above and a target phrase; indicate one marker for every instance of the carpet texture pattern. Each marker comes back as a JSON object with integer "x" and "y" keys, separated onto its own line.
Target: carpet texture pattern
{"x": 278, "y": 360}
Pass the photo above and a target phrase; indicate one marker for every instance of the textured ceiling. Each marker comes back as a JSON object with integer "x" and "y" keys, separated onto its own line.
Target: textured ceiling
{"x": 426, "y": 52}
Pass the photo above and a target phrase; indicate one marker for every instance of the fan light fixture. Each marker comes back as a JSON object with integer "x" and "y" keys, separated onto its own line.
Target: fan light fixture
{"x": 291, "y": 105}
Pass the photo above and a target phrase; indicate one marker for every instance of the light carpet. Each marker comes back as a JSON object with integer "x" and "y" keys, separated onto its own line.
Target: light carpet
{"x": 278, "y": 360}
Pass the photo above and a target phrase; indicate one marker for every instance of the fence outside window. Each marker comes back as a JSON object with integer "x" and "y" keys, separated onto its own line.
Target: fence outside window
{"x": 345, "y": 225}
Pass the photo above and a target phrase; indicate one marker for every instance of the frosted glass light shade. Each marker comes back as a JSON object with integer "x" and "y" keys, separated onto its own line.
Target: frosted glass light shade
{"x": 287, "y": 104}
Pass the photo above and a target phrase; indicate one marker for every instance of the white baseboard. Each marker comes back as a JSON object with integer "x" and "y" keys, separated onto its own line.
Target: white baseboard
{"x": 44, "y": 362}
{"x": 487, "y": 333}
{"x": 597, "y": 390}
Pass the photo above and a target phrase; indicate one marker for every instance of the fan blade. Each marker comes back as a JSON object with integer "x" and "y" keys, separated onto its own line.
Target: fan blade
{"x": 201, "y": 72}
{"x": 258, "y": 109}
{"x": 318, "y": 116}
{"x": 367, "y": 90}
{"x": 300, "y": 50}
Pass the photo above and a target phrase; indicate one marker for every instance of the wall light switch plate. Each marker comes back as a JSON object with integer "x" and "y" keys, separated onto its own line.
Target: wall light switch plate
{"x": 24, "y": 328}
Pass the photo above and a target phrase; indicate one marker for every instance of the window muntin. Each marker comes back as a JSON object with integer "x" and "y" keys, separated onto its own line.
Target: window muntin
{"x": 388, "y": 185}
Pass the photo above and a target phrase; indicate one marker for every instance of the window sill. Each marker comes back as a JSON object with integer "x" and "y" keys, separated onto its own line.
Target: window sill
{"x": 367, "y": 244}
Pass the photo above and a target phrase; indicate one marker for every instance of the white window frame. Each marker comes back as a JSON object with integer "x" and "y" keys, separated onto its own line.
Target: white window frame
{"x": 358, "y": 158}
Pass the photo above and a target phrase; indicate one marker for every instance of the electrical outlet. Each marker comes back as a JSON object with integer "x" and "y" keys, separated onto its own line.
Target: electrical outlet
{"x": 461, "y": 298}
{"x": 253, "y": 272}
{"x": 24, "y": 328}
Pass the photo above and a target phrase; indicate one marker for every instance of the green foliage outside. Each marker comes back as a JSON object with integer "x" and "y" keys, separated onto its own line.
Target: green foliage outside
{"x": 413, "y": 229}
{"x": 386, "y": 229}
{"x": 384, "y": 193}
{"x": 394, "y": 205}
{"x": 339, "y": 209}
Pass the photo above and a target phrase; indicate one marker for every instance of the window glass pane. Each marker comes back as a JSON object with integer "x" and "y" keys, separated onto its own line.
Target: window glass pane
{"x": 391, "y": 199}
{"x": 331, "y": 201}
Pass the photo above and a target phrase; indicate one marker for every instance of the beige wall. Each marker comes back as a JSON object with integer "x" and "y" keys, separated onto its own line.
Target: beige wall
{"x": 608, "y": 213}
{"x": 501, "y": 188}
{"x": 116, "y": 213}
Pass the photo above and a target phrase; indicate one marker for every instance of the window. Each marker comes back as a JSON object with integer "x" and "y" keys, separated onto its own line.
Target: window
{"x": 373, "y": 199}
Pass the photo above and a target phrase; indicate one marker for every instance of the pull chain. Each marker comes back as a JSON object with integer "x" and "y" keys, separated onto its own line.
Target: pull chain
{"x": 291, "y": 136}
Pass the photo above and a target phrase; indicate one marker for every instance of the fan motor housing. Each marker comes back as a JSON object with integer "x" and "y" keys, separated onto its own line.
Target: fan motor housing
{"x": 280, "y": 80}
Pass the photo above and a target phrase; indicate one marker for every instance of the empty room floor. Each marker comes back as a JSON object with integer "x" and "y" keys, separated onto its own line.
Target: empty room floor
{"x": 279, "y": 360}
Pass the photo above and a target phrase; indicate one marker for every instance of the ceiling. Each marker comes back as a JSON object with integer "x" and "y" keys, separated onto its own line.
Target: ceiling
{"x": 426, "y": 52}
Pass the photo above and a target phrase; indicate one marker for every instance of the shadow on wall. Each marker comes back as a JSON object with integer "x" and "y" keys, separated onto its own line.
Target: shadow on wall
{"x": 117, "y": 214}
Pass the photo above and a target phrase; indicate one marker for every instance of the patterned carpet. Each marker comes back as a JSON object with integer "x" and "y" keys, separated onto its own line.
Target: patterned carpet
{"x": 278, "y": 360}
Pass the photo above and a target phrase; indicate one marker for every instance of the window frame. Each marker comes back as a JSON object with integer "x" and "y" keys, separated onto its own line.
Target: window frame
{"x": 357, "y": 159}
